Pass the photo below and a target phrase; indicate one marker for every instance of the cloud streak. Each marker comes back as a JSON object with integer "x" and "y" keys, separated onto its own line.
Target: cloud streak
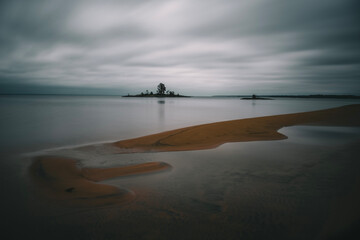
{"x": 195, "y": 47}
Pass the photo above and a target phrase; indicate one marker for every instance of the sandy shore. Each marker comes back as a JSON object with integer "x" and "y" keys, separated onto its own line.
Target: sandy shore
{"x": 212, "y": 135}
{"x": 63, "y": 180}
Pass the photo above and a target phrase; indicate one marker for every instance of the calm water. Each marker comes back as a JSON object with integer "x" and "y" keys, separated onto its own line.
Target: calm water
{"x": 283, "y": 189}
{"x": 38, "y": 122}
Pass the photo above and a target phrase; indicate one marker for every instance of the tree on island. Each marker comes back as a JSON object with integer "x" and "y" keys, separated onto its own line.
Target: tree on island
{"x": 161, "y": 88}
{"x": 161, "y": 92}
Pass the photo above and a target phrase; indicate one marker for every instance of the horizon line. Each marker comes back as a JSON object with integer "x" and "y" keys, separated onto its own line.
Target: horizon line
{"x": 204, "y": 96}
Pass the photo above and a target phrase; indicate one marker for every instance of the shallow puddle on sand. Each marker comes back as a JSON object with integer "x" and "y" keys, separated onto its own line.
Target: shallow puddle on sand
{"x": 252, "y": 190}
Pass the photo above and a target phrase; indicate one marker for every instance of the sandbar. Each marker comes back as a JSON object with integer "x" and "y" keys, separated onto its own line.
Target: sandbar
{"x": 212, "y": 135}
{"x": 63, "y": 180}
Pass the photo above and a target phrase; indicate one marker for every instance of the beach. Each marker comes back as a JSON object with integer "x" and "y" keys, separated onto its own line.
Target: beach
{"x": 255, "y": 129}
{"x": 181, "y": 120}
{"x": 288, "y": 176}
{"x": 70, "y": 182}
{"x": 64, "y": 181}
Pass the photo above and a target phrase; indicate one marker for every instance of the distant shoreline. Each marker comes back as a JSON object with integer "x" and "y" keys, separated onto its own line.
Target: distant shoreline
{"x": 313, "y": 96}
{"x": 256, "y": 98}
{"x": 156, "y": 96}
{"x": 293, "y": 96}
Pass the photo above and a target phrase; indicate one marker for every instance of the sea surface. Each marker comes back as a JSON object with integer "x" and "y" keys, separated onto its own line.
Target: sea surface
{"x": 296, "y": 188}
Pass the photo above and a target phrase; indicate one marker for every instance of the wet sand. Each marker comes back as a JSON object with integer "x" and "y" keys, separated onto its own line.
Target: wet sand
{"x": 284, "y": 199}
{"x": 63, "y": 180}
{"x": 212, "y": 135}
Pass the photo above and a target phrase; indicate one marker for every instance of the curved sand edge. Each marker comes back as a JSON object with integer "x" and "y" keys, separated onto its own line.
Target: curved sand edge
{"x": 212, "y": 135}
{"x": 62, "y": 180}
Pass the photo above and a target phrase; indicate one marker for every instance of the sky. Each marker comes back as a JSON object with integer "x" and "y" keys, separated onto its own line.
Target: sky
{"x": 194, "y": 47}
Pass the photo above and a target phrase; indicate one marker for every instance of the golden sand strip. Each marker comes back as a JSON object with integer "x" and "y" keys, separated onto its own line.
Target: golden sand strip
{"x": 100, "y": 174}
{"x": 63, "y": 180}
{"x": 211, "y": 135}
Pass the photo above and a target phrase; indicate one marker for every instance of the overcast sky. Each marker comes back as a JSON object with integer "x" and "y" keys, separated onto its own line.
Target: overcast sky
{"x": 195, "y": 47}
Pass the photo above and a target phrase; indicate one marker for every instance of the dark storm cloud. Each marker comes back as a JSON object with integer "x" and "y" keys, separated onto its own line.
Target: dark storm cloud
{"x": 196, "y": 47}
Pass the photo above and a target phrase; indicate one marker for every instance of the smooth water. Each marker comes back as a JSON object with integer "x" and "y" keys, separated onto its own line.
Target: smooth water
{"x": 37, "y": 122}
{"x": 284, "y": 189}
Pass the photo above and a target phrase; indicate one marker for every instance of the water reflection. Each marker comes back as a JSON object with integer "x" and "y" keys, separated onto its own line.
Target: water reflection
{"x": 161, "y": 114}
{"x": 249, "y": 190}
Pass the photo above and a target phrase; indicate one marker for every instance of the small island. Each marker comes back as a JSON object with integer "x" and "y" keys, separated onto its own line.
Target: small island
{"x": 254, "y": 97}
{"x": 161, "y": 92}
